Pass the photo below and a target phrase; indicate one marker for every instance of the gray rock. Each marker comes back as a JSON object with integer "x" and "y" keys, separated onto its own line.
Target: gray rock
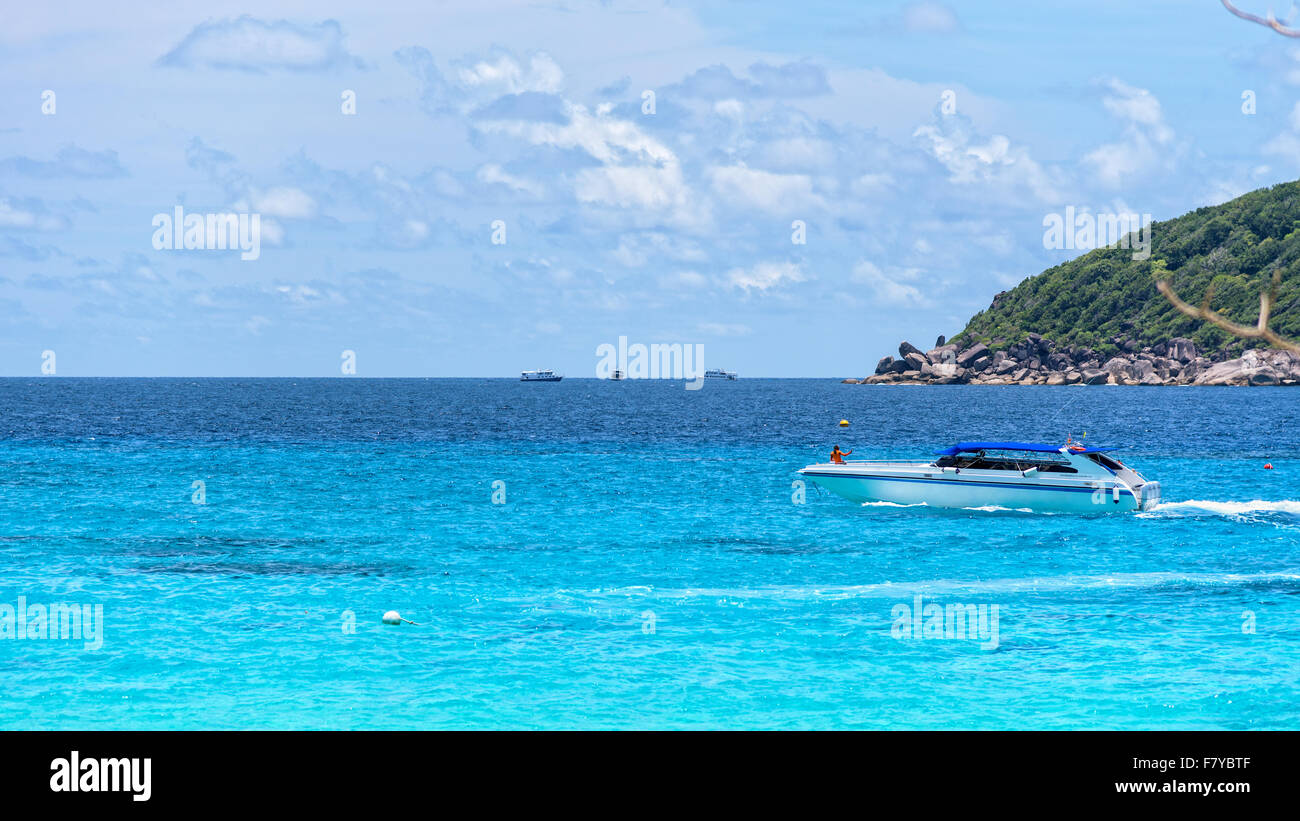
{"x": 1231, "y": 372}
{"x": 1264, "y": 376}
{"x": 1095, "y": 377}
{"x": 1182, "y": 349}
{"x": 1073, "y": 377}
{"x": 1117, "y": 365}
{"x": 940, "y": 341}
{"x": 883, "y": 365}
{"x": 973, "y": 354}
{"x": 915, "y": 360}
{"x": 905, "y": 348}
{"x": 943, "y": 353}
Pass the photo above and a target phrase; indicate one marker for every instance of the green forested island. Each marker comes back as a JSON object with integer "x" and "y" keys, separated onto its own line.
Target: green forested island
{"x": 1105, "y": 298}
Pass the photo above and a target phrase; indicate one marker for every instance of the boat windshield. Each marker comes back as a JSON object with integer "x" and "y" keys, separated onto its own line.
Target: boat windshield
{"x": 1018, "y": 460}
{"x": 1105, "y": 461}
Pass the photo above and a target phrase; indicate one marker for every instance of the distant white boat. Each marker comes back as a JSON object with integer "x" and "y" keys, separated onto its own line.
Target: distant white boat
{"x": 540, "y": 376}
{"x": 1016, "y": 475}
{"x": 718, "y": 373}
{"x": 617, "y": 376}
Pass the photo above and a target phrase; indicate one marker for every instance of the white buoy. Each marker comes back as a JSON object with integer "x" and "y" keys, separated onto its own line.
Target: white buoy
{"x": 392, "y": 617}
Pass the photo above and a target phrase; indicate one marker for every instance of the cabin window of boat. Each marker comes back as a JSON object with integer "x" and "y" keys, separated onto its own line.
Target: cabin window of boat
{"x": 1105, "y": 461}
{"x": 1008, "y": 460}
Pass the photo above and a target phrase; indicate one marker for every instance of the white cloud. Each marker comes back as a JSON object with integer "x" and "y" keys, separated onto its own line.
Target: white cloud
{"x": 683, "y": 279}
{"x": 289, "y": 203}
{"x": 1146, "y": 140}
{"x": 635, "y": 250}
{"x": 493, "y": 174}
{"x": 767, "y": 191}
{"x": 250, "y": 44}
{"x": 505, "y": 75}
{"x": 1287, "y": 143}
{"x": 889, "y": 290}
{"x": 798, "y": 152}
{"x": 18, "y": 216}
{"x": 929, "y": 17}
{"x": 992, "y": 161}
{"x": 638, "y": 171}
{"x": 765, "y": 275}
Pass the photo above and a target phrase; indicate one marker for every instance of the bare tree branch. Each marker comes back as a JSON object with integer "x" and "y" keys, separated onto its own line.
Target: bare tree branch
{"x": 1259, "y": 331}
{"x": 1280, "y": 26}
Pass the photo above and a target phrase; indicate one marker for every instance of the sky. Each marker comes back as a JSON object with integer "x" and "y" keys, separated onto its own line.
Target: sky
{"x": 477, "y": 188}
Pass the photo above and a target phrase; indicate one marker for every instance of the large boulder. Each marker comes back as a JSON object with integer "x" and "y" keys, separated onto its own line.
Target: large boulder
{"x": 1264, "y": 376}
{"x": 905, "y": 348}
{"x": 973, "y": 354}
{"x": 1286, "y": 364}
{"x": 1141, "y": 369}
{"x": 943, "y": 353}
{"x": 915, "y": 360}
{"x": 1230, "y": 372}
{"x": 1073, "y": 377}
{"x": 1182, "y": 349}
{"x": 1095, "y": 377}
{"x": 1118, "y": 365}
{"x": 883, "y": 365}
{"x": 940, "y": 341}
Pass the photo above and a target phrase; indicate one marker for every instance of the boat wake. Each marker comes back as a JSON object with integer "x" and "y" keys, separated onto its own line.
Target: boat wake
{"x": 1168, "y": 581}
{"x": 1001, "y": 509}
{"x": 1202, "y": 507}
{"x": 980, "y": 509}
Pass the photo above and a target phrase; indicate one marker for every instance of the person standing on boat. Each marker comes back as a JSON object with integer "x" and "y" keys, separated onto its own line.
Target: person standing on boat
{"x": 837, "y": 455}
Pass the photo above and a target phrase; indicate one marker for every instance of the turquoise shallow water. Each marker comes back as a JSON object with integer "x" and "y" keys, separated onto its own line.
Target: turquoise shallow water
{"x": 649, "y": 567}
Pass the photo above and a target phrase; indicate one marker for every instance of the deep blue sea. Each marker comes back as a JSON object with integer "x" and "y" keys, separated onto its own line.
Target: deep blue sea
{"x": 645, "y": 562}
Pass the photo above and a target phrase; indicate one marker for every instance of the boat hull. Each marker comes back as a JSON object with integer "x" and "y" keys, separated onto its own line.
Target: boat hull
{"x": 944, "y": 490}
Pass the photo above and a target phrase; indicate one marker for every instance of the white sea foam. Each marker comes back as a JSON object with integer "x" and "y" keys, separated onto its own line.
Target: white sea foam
{"x": 991, "y": 587}
{"x": 1202, "y": 506}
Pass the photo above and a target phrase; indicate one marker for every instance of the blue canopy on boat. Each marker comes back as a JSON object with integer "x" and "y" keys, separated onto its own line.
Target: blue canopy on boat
{"x": 971, "y": 447}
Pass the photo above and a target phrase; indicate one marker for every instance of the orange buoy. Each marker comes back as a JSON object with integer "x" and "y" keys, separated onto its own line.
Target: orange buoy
{"x": 1268, "y": 466}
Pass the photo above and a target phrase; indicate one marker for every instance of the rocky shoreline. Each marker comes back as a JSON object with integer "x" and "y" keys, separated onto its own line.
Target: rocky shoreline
{"x": 1039, "y": 361}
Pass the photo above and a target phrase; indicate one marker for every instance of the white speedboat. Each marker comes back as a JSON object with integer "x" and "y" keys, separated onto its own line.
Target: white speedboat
{"x": 1014, "y": 475}
{"x": 718, "y": 373}
{"x": 540, "y": 376}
